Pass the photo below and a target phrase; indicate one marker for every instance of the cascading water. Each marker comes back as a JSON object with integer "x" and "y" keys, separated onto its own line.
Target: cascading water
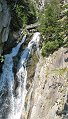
{"x": 12, "y": 101}
{"x": 7, "y": 82}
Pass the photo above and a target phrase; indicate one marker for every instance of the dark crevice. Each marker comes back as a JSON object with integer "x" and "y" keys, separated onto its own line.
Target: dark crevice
{"x": 64, "y": 112}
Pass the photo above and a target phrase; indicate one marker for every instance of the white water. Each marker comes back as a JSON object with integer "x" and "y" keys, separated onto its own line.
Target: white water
{"x": 7, "y": 82}
{"x": 12, "y": 101}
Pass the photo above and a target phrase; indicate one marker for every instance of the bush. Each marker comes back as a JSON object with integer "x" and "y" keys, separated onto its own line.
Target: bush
{"x": 50, "y": 47}
{"x": 50, "y": 28}
{"x": 23, "y": 12}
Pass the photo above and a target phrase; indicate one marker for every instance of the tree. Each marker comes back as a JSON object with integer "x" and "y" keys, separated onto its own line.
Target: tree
{"x": 50, "y": 27}
{"x": 23, "y": 12}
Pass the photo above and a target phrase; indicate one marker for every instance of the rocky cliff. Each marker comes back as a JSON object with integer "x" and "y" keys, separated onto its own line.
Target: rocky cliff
{"x": 47, "y": 86}
{"x": 4, "y": 23}
{"x": 47, "y": 97}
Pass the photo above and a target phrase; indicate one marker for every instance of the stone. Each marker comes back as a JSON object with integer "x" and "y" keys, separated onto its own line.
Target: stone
{"x": 5, "y": 19}
{"x": 5, "y": 34}
{"x": 49, "y": 103}
{"x": 0, "y": 8}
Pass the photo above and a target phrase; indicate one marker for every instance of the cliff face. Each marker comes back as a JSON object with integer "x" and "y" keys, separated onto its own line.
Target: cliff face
{"x": 48, "y": 95}
{"x": 4, "y": 23}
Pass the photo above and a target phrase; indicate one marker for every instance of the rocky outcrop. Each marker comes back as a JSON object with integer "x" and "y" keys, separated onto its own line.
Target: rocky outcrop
{"x": 4, "y": 23}
{"x": 48, "y": 95}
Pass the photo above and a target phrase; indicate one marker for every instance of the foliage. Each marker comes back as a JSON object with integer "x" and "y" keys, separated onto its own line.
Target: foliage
{"x": 64, "y": 22}
{"x": 50, "y": 28}
{"x": 49, "y": 47}
{"x": 23, "y": 12}
{"x": 1, "y": 58}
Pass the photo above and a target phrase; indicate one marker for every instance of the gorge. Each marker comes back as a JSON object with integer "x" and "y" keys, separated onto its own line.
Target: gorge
{"x": 33, "y": 59}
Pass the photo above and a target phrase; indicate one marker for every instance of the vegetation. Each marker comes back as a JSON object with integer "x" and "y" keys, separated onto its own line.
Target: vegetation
{"x": 1, "y": 58}
{"x": 51, "y": 27}
{"x": 64, "y": 22}
{"x": 49, "y": 47}
{"x": 23, "y": 12}
{"x": 53, "y": 21}
{"x": 57, "y": 71}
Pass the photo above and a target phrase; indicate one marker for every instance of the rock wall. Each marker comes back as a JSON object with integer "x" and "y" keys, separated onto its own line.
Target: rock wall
{"x": 50, "y": 91}
{"x": 48, "y": 95}
{"x": 4, "y": 23}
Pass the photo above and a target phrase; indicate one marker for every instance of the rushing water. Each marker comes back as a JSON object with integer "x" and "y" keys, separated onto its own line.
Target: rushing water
{"x": 12, "y": 99}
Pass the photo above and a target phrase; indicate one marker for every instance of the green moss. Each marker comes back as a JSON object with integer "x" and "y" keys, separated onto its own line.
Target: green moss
{"x": 57, "y": 71}
{"x": 60, "y": 71}
{"x": 31, "y": 66}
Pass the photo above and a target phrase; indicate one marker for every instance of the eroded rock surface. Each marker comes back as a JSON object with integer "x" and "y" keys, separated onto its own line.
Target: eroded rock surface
{"x": 48, "y": 95}
{"x": 4, "y": 23}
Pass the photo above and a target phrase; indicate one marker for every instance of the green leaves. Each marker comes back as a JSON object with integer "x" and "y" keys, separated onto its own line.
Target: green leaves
{"x": 23, "y": 12}
{"x": 50, "y": 28}
{"x": 21, "y": 15}
{"x": 1, "y": 58}
{"x": 49, "y": 47}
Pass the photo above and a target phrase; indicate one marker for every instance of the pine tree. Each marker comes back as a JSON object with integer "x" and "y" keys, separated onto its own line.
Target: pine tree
{"x": 50, "y": 27}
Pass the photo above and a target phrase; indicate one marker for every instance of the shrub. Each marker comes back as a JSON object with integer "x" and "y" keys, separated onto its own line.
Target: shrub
{"x": 23, "y": 12}
{"x": 49, "y": 47}
{"x": 50, "y": 28}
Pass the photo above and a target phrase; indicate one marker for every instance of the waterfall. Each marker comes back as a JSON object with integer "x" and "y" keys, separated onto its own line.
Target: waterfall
{"x": 12, "y": 101}
{"x": 7, "y": 82}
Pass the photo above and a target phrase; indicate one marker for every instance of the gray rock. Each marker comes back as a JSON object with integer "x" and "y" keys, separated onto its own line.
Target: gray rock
{"x": 5, "y": 34}
{"x": 5, "y": 19}
{"x": 49, "y": 98}
{"x": 0, "y": 8}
